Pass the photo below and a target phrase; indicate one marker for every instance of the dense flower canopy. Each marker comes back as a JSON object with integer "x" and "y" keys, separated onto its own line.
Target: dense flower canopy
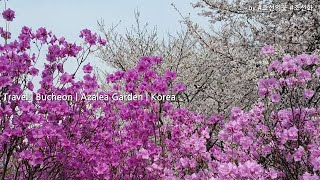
{"x": 147, "y": 138}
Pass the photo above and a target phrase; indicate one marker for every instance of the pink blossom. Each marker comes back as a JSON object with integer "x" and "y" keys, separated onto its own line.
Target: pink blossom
{"x": 8, "y": 14}
{"x": 5, "y": 34}
{"x": 5, "y": 81}
{"x": 275, "y": 98}
{"x": 308, "y": 176}
{"x": 305, "y": 75}
{"x": 308, "y": 93}
{"x": 42, "y": 35}
{"x": 305, "y": 59}
{"x": 89, "y": 37}
{"x": 102, "y": 41}
{"x": 101, "y": 169}
{"x": 65, "y": 78}
{"x": 160, "y": 86}
{"x": 30, "y": 85}
{"x": 275, "y": 66}
{"x": 246, "y": 142}
{"x": 34, "y": 71}
{"x": 179, "y": 87}
{"x": 298, "y": 154}
{"x": 170, "y": 75}
{"x": 144, "y": 153}
{"x": 130, "y": 87}
{"x": 60, "y": 68}
{"x": 318, "y": 72}
{"x": 267, "y": 50}
{"x": 292, "y": 133}
{"x": 215, "y": 118}
{"x": 87, "y": 68}
{"x": 184, "y": 162}
{"x": 226, "y": 169}
{"x": 143, "y": 64}
{"x": 289, "y": 67}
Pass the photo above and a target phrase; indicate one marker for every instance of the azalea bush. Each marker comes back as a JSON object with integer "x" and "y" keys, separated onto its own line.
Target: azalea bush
{"x": 88, "y": 139}
{"x": 105, "y": 138}
{"x": 279, "y": 137}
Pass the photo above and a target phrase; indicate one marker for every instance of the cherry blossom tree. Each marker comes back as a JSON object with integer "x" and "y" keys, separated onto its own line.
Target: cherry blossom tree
{"x": 238, "y": 29}
{"x": 222, "y": 64}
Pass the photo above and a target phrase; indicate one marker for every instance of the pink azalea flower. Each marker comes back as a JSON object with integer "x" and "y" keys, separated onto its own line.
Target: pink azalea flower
{"x": 65, "y": 78}
{"x": 179, "y": 87}
{"x": 130, "y": 87}
{"x": 30, "y": 86}
{"x": 87, "y": 68}
{"x": 298, "y": 154}
{"x": 292, "y": 133}
{"x": 8, "y": 15}
{"x": 101, "y": 169}
{"x": 308, "y": 93}
{"x": 318, "y": 72}
{"x": 275, "y": 98}
{"x": 144, "y": 153}
{"x": 267, "y": 50}
{"x": 89, "y": 37}
{"x": 308, "y": 176}
{"x": 246, "y": 142}
{"x": 170, "y": 75}
{"x": 184, "y": 162}
{"x": 102, "y": 41}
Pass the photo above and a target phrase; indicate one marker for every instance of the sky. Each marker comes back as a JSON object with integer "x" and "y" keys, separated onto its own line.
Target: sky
{"x": 67, "y": 17}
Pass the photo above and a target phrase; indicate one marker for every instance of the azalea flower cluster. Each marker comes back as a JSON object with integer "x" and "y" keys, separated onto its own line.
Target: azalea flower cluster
{"x": 90, "y": 139}
{"x": 148, "y": 139}
{"x": 279, "y": 137}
